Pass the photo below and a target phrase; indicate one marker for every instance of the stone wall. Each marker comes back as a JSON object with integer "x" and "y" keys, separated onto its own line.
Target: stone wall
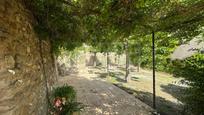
{"x": 22, "y": 79}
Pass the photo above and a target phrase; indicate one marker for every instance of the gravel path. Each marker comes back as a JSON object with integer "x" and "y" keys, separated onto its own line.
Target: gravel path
{"x": 102, "y": 98}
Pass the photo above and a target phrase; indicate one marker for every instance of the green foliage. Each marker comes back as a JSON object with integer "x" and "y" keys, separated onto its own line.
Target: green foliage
{"x": 192, "y": 69}
{"x": 68, "y": 24}
{"x": 72, "y": 107}
{"x": 65, "y": 91}
{"x": 64, "y": 101}
{"x": 56, "y": 21}
{"x": 104, "y": 24}
{"x": 118, "y": 48}
{"x": 141, "y": 51}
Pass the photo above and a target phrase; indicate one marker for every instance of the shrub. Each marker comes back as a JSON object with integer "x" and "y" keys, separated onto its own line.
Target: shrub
{"x": 64, "y": 101}
{"x": 192, "y": 69}
{"x": 65, "y": 91}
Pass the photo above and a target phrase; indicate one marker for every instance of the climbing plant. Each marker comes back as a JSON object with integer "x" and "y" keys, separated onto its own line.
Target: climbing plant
{"x": 70, "y": 23}
{"x": 56, "y": 20}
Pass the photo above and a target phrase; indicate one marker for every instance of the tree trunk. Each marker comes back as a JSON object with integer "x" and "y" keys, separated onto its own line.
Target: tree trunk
{"x": 56, "y": 67}
{"x": 107, "y": 60}
{"x": 70, "y": 62}
{"x": 127, "y": 62}
{"x": 44, "y": 74}
{"x": 138, "y": 66}
{"x": 54, "y": 59}
{"x": 115, "y": 58}
{"x": 94, "y": 61}
{"x": 139, "y": 58}
{"x": 118, "y": 59}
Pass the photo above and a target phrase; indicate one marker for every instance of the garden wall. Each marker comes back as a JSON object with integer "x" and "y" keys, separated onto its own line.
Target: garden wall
{"x": 23, "y": 70}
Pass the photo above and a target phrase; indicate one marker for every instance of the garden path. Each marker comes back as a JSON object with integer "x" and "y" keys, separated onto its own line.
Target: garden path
{"x": 103, "y": 98}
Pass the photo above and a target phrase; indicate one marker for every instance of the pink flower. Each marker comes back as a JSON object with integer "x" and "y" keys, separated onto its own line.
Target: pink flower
{"x": 58, "y": 102}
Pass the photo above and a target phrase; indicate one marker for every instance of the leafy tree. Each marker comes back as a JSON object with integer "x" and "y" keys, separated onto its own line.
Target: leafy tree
{"x": 140, "y": 52}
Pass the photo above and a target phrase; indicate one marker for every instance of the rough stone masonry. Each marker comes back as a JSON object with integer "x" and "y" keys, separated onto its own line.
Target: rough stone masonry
{"x": 22, "y": 80}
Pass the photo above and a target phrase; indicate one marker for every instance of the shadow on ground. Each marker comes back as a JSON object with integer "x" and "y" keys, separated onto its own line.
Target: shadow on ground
{"x": 164, "y": 107}
{"x": 175, "y": 90}
{"x": 115, "y": 76}
{"x": 134, "y": 78}
{"x": 121, "y": 68}
{"x": 104, "y": 75}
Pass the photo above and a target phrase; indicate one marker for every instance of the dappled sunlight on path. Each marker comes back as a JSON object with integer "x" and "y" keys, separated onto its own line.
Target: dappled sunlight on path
{"x": 102, "y": 98}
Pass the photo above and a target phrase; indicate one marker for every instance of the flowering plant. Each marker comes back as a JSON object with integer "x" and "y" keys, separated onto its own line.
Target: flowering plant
{"x": 58, "y": 102}
{"x": 64, "y": 101}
